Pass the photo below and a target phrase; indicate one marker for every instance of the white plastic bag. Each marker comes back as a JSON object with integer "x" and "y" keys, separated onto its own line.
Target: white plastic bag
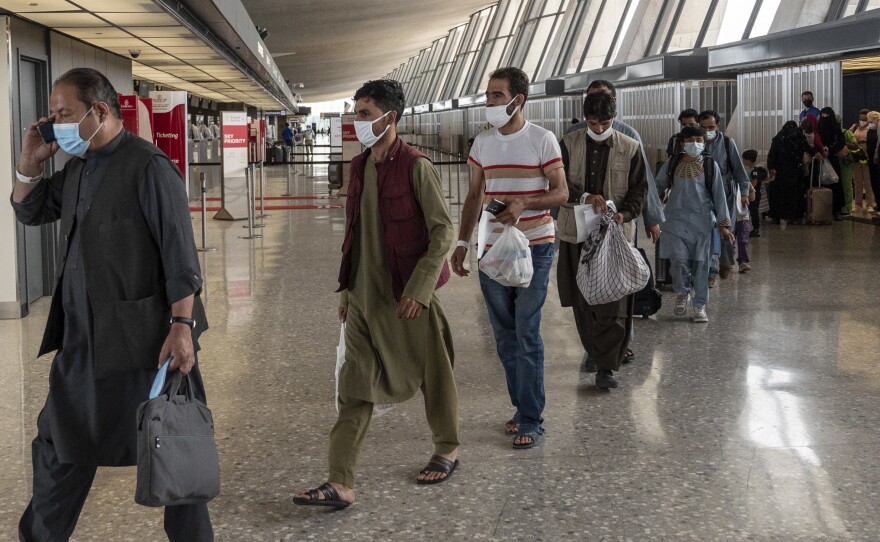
{"x": 509, "y": 261}
{"x": 378, "y": 409}
{"x": 610, "y": 267}
{"x": 827, "y": 175}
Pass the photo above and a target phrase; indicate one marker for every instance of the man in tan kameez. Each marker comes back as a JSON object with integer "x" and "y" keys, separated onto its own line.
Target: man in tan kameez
{"x": 398, "y": 233}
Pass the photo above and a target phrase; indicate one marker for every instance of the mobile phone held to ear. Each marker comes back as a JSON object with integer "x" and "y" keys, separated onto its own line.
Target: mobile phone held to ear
{"x": 47, "y": 131}
{"x": 496, "y": 207}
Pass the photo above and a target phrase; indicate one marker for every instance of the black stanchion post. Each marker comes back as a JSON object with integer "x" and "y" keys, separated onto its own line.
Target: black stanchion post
{"x": 205, "y": 247}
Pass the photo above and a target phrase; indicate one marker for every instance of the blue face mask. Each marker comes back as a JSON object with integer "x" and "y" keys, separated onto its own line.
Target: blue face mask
{"x": 69, "y": 139}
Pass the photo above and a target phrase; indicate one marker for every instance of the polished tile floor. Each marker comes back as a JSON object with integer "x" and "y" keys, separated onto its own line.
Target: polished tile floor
{"x": 761, "y": 425}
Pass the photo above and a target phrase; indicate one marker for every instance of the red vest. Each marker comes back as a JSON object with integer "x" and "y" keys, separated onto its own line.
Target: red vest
{"x": 403, "y": 223}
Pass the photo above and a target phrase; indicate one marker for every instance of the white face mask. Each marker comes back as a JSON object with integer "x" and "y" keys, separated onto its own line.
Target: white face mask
{"x": 694, "y": 149}
{"x": 872, "y": 126}
{"x": 497, "y": 116}
{"x": 364, "y": 131}
{"x": 863, "y": 123}
{"x": 599, "y": 137}
{"x": 711, "y": 135}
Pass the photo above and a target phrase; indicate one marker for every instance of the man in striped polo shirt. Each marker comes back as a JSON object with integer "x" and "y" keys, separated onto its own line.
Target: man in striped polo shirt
{"x": 520, "y": 164}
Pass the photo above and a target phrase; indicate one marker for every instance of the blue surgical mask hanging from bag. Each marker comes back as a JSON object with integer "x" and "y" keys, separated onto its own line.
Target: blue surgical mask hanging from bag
{"x": 67, "y": 135}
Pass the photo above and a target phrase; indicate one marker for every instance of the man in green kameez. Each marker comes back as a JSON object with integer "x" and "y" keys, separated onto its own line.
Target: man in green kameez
{"x": 398, "y": 233}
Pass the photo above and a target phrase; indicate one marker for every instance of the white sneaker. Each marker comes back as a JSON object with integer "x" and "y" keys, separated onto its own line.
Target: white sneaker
{"x": 700, "y": 316}
{"x": 681, "y": 305}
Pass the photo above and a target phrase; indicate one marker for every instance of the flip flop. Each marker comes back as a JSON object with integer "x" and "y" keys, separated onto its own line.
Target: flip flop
{"x": 329, "y": 494}
{"x": 439, "y": 464}
{"x": 507, "y": 430}
{"x": 537, "y": 436}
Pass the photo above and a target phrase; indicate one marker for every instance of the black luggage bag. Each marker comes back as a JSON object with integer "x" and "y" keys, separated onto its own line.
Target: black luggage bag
{"x": 648, "y": 300}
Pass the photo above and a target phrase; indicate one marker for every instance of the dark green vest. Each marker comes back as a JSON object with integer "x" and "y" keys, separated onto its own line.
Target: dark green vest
{"x": 125, "y": 279}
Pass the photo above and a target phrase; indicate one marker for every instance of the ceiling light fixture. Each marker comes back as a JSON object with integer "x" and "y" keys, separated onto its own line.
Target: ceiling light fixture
{"x": 263, "y": 32}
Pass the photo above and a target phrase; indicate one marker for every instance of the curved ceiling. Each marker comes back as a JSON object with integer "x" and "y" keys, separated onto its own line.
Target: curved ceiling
{"x": 333, "y": 46}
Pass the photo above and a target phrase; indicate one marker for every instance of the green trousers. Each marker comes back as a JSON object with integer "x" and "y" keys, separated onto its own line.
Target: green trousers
{"x": 847, "y": 172}
{"x": 441, "y": 410}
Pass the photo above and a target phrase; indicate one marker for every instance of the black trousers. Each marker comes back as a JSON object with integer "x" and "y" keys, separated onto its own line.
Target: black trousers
{"x": 60, "y": 490}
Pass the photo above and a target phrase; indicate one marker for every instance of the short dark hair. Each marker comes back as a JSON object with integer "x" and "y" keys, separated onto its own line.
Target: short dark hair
{"x": 751, "y": 155}
{"x": 689, "y": 114}
{"x": 688, "y": 132}
{"x": 91, "y": 87}
{"x": 807, "y": 126}
{"x": 603, "y": 83}
{"x": 710, "y": 113}
{"x": 574, "y": 120}
{"x": 600, "y": 106}
{"x": 387, "y": 94}
{"x": 804, "y": 93}
{"x": 517, "y": 81}
{"x": 864, "y": 111}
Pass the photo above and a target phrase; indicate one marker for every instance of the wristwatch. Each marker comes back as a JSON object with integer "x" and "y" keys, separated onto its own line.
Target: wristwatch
{"x": 463, "y": 244}
{"x": 181, "y": 320}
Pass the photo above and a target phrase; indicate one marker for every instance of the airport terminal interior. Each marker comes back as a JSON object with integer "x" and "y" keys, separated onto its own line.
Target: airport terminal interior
{"x": 758, "y": 425}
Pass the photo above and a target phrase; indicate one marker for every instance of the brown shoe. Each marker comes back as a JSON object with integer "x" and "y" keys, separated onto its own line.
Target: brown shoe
{"x": 711, "y": 282}
{"x": 744, "y": 267}
{"x": 725, "y": 271}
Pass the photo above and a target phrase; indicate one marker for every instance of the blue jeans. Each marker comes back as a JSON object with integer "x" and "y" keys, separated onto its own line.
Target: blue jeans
{"x": 515, "y": 314}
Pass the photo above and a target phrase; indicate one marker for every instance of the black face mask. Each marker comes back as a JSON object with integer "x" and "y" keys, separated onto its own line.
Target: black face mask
{"x": 808, "y": 103}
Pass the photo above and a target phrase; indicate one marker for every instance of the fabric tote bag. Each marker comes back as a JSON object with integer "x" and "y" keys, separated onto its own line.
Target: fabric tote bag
{"x": 177, "y": 459}
{"x": 610, "y": 268}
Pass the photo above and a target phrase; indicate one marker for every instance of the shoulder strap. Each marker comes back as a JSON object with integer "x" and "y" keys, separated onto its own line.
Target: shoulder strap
{"x": 709, "y": 171}
{"x": 670, "y": 171}
{"x": 727, "y": 149}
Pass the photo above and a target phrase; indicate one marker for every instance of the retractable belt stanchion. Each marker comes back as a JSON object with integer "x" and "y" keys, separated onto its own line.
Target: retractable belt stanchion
{"x": 263, "y": 213}
{"x": 205, "y": 247}
{"x": 288, "y": 193}
{"x": 250, "y": 195}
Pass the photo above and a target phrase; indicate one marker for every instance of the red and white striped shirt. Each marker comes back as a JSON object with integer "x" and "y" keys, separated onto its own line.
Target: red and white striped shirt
{"x": 517, "y": 165}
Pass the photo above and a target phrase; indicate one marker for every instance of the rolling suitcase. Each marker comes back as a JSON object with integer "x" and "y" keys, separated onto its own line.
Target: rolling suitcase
{"x": 661, "y": 267}
{"x": 286, "y": 151}
{"x": 819, "y": 204}
{"x": 277, "y": 154}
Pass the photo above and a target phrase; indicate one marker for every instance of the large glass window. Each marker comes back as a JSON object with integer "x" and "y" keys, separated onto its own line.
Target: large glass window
{"x": 467, "y": 54}
{"x": 765, "y": 18}
{"x": 506, "y": 19}
{"x": 851, "y": 7}
{"x": 668, "y": 15}
{"x": 872, "y": 4}
{"x": 623, "y": 30}
{"x": 535, "y": 34}
{"x": 603, "y": 35}
{"x": 578, "y": 38}
{"x": 688, "y": 26}
{"x": 729, "y": 22}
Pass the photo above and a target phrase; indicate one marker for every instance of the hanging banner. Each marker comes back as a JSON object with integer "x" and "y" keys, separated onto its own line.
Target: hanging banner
{"x": 234, "y": 128}
{"x": 336, "y": 132}
{"x": 169, "y": 125}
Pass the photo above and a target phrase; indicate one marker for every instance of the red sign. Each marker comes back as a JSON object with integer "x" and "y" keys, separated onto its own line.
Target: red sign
{"x": 235, "y": 136}
{"x": 349, "y": 133}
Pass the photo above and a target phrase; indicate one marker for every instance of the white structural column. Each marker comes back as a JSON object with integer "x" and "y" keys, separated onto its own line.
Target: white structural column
{"x": 10, "y": 307}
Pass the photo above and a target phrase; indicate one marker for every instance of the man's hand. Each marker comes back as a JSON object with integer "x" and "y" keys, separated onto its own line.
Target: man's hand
{"x": 34, "y": 151}
{"x": 653, "y": 233}
{"x": 725, "y": 234}
{"x": 745, "y": 201}
{"x": 408, "y": 309}
{"x": 343, "y": 313}
{"x": 180, "y": 345}
{"x": 598, "y": 203}
{"x": 458, "y": 256}
{"x": 772, "y": 175}
{"x": 510, "y": 215}
{"x": 618, "y": 217}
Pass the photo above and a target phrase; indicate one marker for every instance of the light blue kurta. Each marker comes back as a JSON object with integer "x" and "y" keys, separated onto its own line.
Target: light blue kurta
{"x": 691, "y": 213}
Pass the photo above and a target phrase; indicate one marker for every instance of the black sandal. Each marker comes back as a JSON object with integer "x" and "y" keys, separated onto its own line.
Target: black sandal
{"x": 329, "y": 494}
{"x": 439, "y": 464}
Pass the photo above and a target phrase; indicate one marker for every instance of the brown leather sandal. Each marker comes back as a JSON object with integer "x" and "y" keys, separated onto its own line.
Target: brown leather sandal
{"x": 329, "y": 494}
{"x": 439, "y": 464}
